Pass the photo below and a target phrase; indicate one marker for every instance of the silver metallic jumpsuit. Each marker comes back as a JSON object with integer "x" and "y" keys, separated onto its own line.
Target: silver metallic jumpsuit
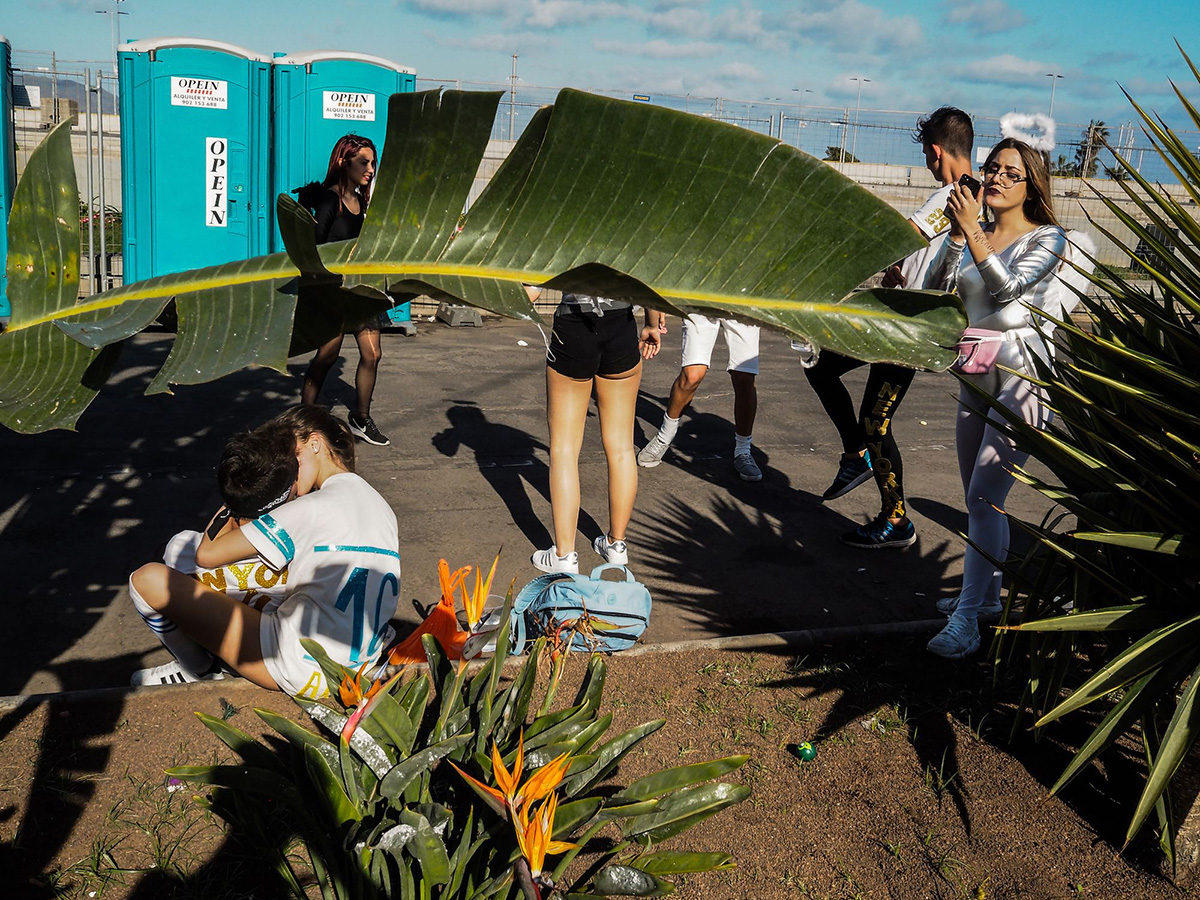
{"x": 998, "y": 294}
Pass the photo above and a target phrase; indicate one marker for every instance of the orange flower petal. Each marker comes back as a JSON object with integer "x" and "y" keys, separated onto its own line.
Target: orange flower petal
{"x": 542, "y": 783}
{"x": 493, "y": 797}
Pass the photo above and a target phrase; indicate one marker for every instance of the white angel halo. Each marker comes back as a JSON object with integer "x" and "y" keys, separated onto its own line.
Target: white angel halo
{"x": 1020, "y": 125}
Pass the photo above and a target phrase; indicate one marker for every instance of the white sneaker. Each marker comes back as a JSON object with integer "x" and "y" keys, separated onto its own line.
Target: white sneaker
{"x": 550, "y": 561}
{"x": 747, "y": 468}
{"x": 615, "y": 552}
{"x": 948, "y": 605}
{"x": 651, "y": 455}
{"x": 959, "y": 638}
{"x": 170, "y": 673}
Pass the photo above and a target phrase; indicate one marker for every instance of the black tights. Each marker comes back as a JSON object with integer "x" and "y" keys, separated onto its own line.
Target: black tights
{"x": 364, "y": 377}
{"x": 872, "y": 429}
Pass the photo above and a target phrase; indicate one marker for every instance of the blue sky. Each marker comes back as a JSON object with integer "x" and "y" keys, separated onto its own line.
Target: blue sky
{"x": 989, "y": 57}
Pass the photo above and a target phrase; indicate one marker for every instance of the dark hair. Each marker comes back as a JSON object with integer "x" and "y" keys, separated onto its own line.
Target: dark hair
{"x": 303, "y": 420}
{"x": 335, "y": 176}
{"x": 1037, "y": 207}
{"x": 257, "y": 470}
{"x": 950, "y": 128}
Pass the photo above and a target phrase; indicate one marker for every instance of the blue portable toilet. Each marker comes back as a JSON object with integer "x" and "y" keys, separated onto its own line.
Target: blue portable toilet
{"x": 8, "y": 167}
{"x": 195, "y": 155}
{"x": 318, "y": 97}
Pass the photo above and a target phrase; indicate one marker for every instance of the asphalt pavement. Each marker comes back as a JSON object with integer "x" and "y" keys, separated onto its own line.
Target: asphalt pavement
{"x": 467, "y": 474}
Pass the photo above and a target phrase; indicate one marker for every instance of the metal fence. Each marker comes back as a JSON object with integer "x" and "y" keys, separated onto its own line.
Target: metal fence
{"x": 874, "y": 147}
{"x": 67, "y": 89}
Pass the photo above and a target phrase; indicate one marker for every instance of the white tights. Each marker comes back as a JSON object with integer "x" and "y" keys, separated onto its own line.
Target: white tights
{"x": 986, "y": 457}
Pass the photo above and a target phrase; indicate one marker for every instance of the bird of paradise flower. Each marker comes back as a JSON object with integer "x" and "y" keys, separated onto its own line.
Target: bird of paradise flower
{"x": 530, "y": 806}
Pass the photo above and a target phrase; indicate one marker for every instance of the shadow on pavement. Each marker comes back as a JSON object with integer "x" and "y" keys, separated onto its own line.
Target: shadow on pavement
{"x": 81, "y": 510}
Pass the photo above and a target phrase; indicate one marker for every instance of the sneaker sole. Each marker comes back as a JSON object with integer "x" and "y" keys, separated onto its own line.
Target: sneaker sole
{"x": 961, "y": 654}
{"x": 886, "y": 545}
{"x": 622, "y": 560}
{"x": 549, "y": 571}
{"x": 861, "y": 479}
{"x": 993, "y": 613}
{"x": 649, "y": 463}
{"x": 750, "y": 478}
{"x": 362, "y": 436}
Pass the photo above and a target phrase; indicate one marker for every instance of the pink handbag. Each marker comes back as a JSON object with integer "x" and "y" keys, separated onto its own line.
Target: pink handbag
{"x": 977, "y": 351}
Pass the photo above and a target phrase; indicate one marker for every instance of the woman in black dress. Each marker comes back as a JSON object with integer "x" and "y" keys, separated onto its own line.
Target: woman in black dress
{"x": 339, "y": 204}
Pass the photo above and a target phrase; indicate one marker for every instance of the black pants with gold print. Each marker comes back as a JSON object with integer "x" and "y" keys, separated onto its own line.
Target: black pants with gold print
{"x": 872, "y": 428}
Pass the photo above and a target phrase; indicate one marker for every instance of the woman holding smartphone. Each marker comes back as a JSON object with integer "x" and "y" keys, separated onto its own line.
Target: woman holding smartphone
{"x": 1002, "y": 270}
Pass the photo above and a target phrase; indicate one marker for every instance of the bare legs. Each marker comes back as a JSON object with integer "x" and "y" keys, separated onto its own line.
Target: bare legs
{"x": 745, "y": 401}
{"x": 369, "y": 354}
{"x": 222, "y": 625}
{"x": 566, "y": 413}
{"x": 745, "y": 395}
{"x": 616, "y": 399}
{"x": 683, "y": 389}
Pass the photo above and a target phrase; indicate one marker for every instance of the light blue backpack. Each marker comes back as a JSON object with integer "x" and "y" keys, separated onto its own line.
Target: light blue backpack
{"x": 619, "y": 610}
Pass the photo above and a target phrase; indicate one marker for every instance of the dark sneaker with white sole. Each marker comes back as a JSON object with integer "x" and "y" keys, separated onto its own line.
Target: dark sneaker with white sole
{"x": 367, "y": 430}
{"x": 881, "y": 534}
{"x": 851, "y": 473}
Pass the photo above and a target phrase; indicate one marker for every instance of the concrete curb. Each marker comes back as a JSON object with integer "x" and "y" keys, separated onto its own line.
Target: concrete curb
{"x": 779, "y": 640}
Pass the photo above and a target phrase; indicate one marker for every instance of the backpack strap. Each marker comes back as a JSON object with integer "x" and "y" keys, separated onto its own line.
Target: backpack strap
{"x": 525, "y": 598}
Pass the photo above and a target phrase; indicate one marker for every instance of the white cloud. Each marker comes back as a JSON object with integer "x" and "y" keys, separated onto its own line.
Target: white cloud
{"x": 509, "y": 42}
{"x": 659, "y": 49}
{"x": 1004, "y": 69}
{"x": 739, "y": 71}
{"x": 460, "y": 7}
{"x": 854, "y": 26}
{"x": 554, "y": 13}
{"x": 984, "y": 16}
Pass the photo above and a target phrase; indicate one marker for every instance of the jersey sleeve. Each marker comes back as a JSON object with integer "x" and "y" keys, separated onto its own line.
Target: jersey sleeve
{"x": 269, "y": 536}
{"x": 931, "y": 219}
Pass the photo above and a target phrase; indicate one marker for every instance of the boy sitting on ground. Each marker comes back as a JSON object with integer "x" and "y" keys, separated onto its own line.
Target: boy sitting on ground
{"x": 257, "y": 473}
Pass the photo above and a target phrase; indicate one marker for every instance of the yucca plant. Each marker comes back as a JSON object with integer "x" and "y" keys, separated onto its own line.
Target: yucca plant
{"x": 396, "y": 798}
{"x": 1113, "y": 571}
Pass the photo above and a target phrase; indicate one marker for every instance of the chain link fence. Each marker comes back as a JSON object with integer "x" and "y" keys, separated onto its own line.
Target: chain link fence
{"x": 874, "y": 147}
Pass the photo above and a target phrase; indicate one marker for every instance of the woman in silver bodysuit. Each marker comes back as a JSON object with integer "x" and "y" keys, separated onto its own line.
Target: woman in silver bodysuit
{"x": 1001, "y": 271}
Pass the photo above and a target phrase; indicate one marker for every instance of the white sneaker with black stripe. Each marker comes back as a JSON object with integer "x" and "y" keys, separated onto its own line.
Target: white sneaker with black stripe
{"x": 170, "y": 673}
{"x": 614, "y": 552}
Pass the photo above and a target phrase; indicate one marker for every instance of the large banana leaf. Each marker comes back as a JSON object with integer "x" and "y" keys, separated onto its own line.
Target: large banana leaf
{"x": 599, "y": 196}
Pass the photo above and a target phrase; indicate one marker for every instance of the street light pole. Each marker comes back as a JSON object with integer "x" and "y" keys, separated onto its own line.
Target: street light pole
{"x": 512, "y": 101}
{"x": 115, "y": 26}
{"x": 857, "y": 104}
{"x": 1053, "y": 76}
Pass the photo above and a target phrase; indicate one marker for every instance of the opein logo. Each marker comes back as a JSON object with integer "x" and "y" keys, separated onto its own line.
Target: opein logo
{"x": 216, "y": 182}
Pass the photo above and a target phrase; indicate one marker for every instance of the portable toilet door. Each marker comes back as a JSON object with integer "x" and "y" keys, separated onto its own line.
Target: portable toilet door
{"x": 8, "y": 168}
{"x": 319, "y": 97}
{"x": 195, "y": 155}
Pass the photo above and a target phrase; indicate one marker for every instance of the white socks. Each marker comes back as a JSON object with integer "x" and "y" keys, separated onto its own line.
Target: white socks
{"x": 668, "y": 428}
{"x": 190, "y": 655}
{"x": 741, "y": 444}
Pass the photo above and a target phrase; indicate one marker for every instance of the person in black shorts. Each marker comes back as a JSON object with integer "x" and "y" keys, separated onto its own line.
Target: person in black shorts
{"x": 339, "y": 204}
{"x": 594, "y": 347}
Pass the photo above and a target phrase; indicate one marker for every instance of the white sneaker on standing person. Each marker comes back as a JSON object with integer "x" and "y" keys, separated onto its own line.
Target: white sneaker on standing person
{"x": 699, "y": 339}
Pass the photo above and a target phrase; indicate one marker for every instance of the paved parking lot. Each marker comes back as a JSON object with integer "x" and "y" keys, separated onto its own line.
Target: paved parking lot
{"x": 467, "y": 473}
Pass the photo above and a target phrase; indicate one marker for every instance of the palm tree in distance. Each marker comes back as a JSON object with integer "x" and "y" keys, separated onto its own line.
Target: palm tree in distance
{"x": 1095, "y": 136}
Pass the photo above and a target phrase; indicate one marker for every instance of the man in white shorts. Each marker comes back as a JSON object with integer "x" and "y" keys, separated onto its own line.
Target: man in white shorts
{"x": 699, "y": 339}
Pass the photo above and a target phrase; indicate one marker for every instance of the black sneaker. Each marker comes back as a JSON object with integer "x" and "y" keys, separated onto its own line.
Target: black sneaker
{"x": 368, "y": 431}
{"x": 851, "y": 473}
{"x": 881, "y": 535}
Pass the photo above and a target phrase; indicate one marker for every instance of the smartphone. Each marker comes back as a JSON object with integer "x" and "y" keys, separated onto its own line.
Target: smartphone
{"x": 971, "y": 184}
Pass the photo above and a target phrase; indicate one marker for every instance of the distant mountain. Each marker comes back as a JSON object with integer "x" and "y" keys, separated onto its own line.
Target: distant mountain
{"x": 68, "y": 88}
